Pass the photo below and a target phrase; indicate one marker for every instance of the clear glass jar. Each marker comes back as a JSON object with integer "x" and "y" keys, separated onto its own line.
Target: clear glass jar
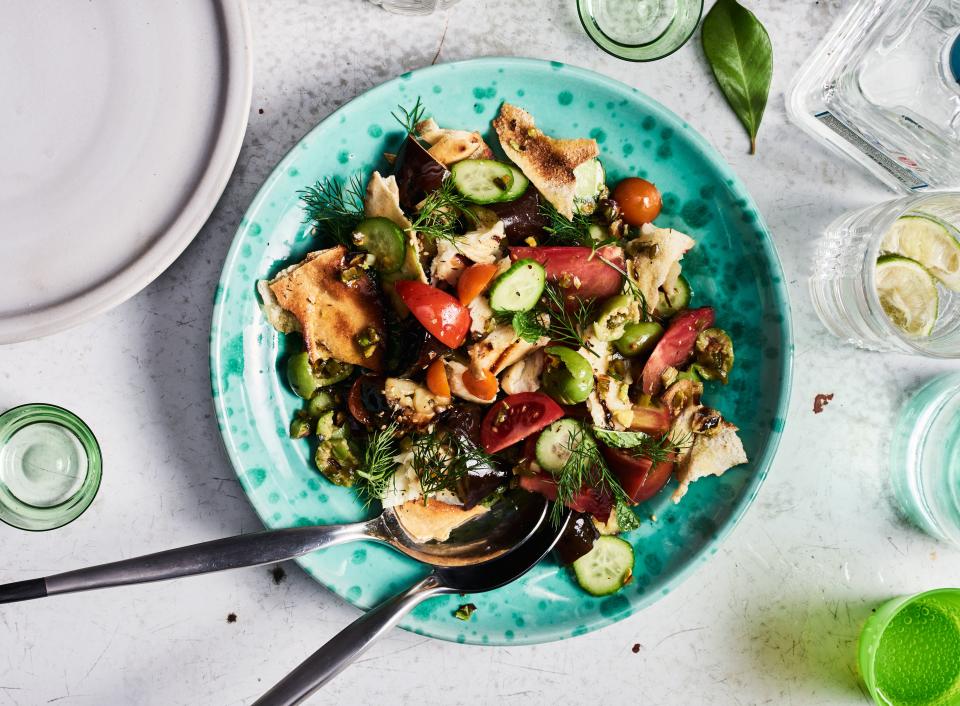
{"x": 883, "y": 88}
{"x": 843, "y": 283}
{"x": 925, "y": 458}
{"x": 640, "y": 30}
{"x": 414, "y": 7}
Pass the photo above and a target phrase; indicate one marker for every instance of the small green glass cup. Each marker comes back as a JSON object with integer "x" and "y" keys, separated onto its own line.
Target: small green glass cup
{"x": 909, "y": 650}
{"x": 640, "y": 30}
{"x": 50, "y": 467}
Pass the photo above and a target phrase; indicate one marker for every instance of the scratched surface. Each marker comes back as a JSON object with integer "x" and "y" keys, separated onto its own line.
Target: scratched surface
{"x": 773, "y": 618}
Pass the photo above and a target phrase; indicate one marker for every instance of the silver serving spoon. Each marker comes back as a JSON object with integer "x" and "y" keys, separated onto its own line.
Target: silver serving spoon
{"x": 507, "y": 525}
{"x": 331, "y": 659}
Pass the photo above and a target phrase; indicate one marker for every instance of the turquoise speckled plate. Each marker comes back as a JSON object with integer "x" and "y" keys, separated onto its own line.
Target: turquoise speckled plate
{"x": 733, "y": 268}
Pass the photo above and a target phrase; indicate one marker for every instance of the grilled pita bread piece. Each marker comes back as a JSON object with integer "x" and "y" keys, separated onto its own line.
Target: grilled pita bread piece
{"x": 547, "y": 162}
{"x": 332, "y": 313}
{"x": 434, "y": 520}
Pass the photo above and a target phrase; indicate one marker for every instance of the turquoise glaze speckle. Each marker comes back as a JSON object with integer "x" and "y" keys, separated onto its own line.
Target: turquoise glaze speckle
{"x": 599, "y": 135}
{"x": 733, "y": 268}
{"x": 343, "y": 156}
{"x": 374, "y": 130}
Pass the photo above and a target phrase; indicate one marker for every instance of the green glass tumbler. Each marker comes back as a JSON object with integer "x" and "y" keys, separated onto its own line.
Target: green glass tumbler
{"x": 640, "y": 30}
{"x": 909, "y": 651}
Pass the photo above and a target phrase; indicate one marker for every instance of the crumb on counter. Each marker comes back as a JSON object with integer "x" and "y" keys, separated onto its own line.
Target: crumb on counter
{"x": 821, "y": 401}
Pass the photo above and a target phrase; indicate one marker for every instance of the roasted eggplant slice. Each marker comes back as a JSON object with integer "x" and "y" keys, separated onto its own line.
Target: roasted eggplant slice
{"x": 418, "y": 173}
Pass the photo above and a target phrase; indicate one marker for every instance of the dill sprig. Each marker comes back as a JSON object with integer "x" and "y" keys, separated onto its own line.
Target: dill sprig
{"x": 567, "y": 324}
{"x": 528, "y": 325}
{"x": 410, "y": 117}
{"x": 378, "y": 467}
{"x": 440, "y": 213}
{"x": 564, "y": 231}
{"x": 442, "y": 459}
{"x": 584, "y": 468}
{"x": 334, "y": 207}
{"x": 641, "y": 445}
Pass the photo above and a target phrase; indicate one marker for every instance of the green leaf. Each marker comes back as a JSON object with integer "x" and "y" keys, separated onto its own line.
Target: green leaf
{"x": 738, "y": 48}
{"x": 621, "y": 439}
{"x": 626, "y": 518}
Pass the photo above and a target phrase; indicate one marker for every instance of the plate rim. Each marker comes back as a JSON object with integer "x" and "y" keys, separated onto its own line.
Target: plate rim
{"x": 236, "y": 48}
{"x": 695, "y": 559}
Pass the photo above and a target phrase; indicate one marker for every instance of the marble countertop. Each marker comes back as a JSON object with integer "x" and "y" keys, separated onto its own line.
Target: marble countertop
{"x": 772, "y": 618}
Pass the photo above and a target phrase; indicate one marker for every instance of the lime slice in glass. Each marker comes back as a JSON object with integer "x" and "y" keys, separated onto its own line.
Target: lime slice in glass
{"x": 930, "y": 242}
{"x": 908, "y": 294}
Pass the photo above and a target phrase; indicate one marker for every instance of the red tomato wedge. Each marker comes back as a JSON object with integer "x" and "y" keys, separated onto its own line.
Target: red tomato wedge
{"x": 596, "y": 502}
{"x": 640, "y": 479}
{"x": 441, "y": 314}
{"x": 676, "y": 346}
{"x": 598, "y": 280}
{"x": 650, "y": 419}
{"x": 516, "y": 417}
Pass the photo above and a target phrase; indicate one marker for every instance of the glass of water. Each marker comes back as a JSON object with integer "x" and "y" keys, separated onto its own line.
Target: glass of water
{"x": 887, "y": 277}
{"x": 414, "y": 7}
{"x": 925, "y": 458}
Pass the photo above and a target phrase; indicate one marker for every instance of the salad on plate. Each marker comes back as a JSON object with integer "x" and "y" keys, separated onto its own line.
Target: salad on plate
{"x": 479, "y": 321}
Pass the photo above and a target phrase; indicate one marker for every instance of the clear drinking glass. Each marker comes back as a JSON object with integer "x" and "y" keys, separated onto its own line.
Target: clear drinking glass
{"x": 843, "y": 284}
{"x": 640, "y": 30}
{"x": 414, "y": 7}
{"x": 925, "y": 458}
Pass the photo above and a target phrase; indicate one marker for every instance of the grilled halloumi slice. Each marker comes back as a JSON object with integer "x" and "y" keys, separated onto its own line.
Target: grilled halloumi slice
{"x": 710, "y": 453}
{"x": 332, "y": 313}
{"x": 545, "y": 161}
{"x": 499, "y": 349}
{"x": 658, "y": 252}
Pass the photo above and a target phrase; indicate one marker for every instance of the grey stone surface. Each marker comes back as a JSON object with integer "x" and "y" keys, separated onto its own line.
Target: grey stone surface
{"x": 772, "y": 618}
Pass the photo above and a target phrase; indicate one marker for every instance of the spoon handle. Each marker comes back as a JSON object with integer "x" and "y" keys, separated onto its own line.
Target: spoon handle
{"x": 344, "y": 647}
{"x": 218, "y": 555}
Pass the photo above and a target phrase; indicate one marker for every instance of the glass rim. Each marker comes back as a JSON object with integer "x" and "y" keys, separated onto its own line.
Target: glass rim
{"x": 628, "y": 51}
{"x": 31, "y": 518}
{"x": 906, "y": 205}
{"x": 876, "y": 630}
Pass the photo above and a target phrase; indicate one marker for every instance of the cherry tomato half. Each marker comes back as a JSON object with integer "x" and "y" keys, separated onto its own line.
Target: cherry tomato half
{"x": 639, "y": 200}
{"x": 639, "y": 477}
{"x": 596, "y": 502}
{"x": 516, "y": 417}
{"x": 676, "y": 346}
{"x": 441, "y": 314}
{"x": 598, "y": 279}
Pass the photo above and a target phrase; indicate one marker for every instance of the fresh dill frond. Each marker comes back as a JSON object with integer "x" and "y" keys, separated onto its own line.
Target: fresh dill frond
{"x": 441, "y": 212}
{"x": 442, "y": 459}
{"x": 567, "y": 324}
{"x": 564, "y": 231}
{"x": 642, "y": 445}
{"x": 335, "y": 207}
{"x": 585, "y": 468}
{"x": 409, "y": 118}
{"x": 378, "y": 467}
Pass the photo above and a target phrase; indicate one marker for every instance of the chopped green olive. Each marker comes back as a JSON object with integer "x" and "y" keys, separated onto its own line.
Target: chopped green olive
{"x": 567, "y": 376}
{"x": 300, "y": 426}
{"x": 320, "y": 403}
{"x": 614, "y": 315}
{"x": 638, "y": 339}
{"x": 714, "y": 354}
{"x": 305, "y": 379}
{"x": 337, "y": 456}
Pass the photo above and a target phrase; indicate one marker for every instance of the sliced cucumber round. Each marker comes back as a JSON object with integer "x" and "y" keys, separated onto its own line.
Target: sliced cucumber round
{"x": 383, "y": 239}
{"x": 589, "y": 177}
{"x": 606, "y": 568}
{"x": 553, "y": 445}
{"x": 484, "y": 181}
{"x": 519, "y": 288}
{"x": 520, "y": 184}
{"x": 676, "y": 299}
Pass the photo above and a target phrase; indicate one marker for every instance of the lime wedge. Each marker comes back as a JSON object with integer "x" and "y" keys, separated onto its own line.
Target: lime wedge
{"x": 908, "y": 294}
{"x": 929, "y": 241}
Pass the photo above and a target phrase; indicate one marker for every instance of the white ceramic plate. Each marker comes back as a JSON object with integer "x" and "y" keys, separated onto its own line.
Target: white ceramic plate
{"x": 120, "y": 124}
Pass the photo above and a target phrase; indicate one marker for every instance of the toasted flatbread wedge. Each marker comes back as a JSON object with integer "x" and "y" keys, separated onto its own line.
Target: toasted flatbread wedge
{"x": 451, "y": 146}
{"x": 332, "y": 313}
{"x": 435, "y": 520}
{"x": 547, "y": 162}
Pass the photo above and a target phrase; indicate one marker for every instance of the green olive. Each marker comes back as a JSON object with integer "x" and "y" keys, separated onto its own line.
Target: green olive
{"x": 714, "y": 354}
{"x": 639, "y": 338}
{"x": 614, "y": 315}
{"x": 567, "y": 376}
{"x": 320, "y": 403}
{"x": 300, "y": 426}
{"x": 306, "y": 379}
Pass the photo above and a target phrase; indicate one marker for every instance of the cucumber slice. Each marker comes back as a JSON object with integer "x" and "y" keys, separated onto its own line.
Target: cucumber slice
{"x": 589, "y": 177}
{"x": 605, "y": 568}
{"x": 675, "y": 300}
{"x": 553, "y": 445}
{"x": 383, "y": 239}
{"x": 519, "y": 186}
{"x": 483, "y": 181}
{"x": 519, "y": 288}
